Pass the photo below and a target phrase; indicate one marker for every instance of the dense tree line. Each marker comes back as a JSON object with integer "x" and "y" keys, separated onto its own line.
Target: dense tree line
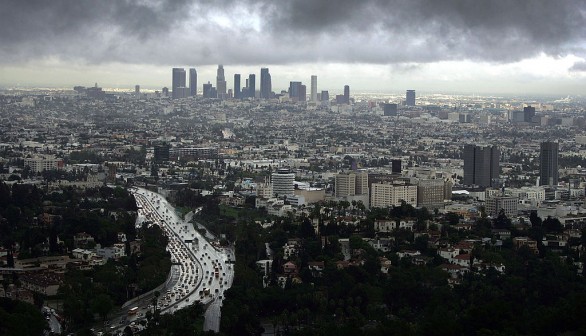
{"x": 101, "y": 212}
{"x": 97, "y": 292}
{"x": 187, "y": 321}
{"x": 538, "y": 294}
{"x": 18, "y": 319}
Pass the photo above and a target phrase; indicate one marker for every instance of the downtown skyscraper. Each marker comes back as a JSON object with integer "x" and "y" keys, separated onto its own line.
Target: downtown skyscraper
{"x": 192, "y": 82}
{"x": 548, "y": 163}
{"x": 237, "y": 93}
{"x": 221, "y": 82}
{"x": 265, "y": 83}
{"x": 294, "y": 91}
{"x": 178, "y": 83}
{"x": 252, "y": 85}
{"x": 410, "y": 98}
{"x": 313, "y": 88}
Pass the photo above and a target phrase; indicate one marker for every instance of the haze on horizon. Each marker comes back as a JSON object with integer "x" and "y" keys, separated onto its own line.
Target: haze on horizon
{"x": 496, "y": 46}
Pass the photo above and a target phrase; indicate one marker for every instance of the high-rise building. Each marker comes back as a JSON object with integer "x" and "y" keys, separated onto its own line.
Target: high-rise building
{"x": 294, "y": 90}
{"x": 302, "y": 93}
{"x": 265, "y": 83}
{"x": 528, "y": 113}
{"x": 410, "y": 98}
{"x": 220, "y": 82}
{"x": 390, "y": 109}
{"x": 548, "y": 163}
{"x": 237, "y": 94}
{"x": 313, "y": 88}
{"x": 481, "y": 165}
{"x": 388, "y": 194}
{"x": 283, "y": 182}
{"x": 351, "y": 183}
{"x": 346, "y": 94}
{"x": 396, "y": 166}
{"x": 161, "y": 152}
{"x": 252, "y": 85}
{"x": 178, "y": 83}
{"x": 207, "y": 90}
{"x": 325, "y": 96}
{"x": 430, "y": 193}
{"x": 192, "y": 82}
{"x": 137, "y": 90}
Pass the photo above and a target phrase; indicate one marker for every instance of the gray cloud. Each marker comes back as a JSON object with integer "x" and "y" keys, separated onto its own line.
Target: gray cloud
{"x": 578, "y": 67}
{"x": 366, "y": 31}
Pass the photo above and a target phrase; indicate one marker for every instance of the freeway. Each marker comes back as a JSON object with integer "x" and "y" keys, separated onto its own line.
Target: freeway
{"x": 201, "y": 269}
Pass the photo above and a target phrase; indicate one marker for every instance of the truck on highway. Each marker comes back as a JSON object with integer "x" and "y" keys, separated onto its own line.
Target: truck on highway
{"x": 133, "y": 311}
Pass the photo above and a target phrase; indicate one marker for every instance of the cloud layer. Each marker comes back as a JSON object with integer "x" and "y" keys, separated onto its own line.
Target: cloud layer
{"x": 249, "y": 32}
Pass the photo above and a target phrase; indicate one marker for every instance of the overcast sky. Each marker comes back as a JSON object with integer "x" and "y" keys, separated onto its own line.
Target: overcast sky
{"x": 498, "y": 46}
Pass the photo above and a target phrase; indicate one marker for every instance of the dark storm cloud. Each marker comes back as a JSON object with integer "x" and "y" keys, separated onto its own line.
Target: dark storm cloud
{"x": 70, "y": 28}
{"x": 367, "y": 31}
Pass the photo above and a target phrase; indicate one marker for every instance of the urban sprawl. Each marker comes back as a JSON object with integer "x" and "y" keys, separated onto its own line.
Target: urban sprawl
{"x": 461, "y": 184}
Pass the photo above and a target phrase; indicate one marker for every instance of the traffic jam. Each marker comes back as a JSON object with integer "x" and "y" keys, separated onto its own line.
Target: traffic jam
{"x": 201, "y": 267}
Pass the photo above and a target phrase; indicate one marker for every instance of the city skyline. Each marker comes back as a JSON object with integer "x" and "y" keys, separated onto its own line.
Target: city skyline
{"x": 496, "y": 47}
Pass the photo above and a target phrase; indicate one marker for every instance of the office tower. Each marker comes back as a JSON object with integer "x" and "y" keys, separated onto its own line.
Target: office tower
{"x": 302, "y": 93}
{"x": 351, "y": 183}
{"x": 221, "y": 82}
{"x": 464, "y": 118}
{"x": 389, "y": 194}
{"x": 548, "y": 163}
{"x": 283, "y": 182}
{"x": 325, "y": 96}
{"x": 192, "y": 82}
{"x": 430, "y": 193}
{"x": 410, "y": 98}
{"x": 265, "y": 83}
{"x": 237, "y": 86}
{"x": 294, "y": 88}
{"x": 313, "y": 88}
{"x": 165, "y": 91}
{"x": 161, "y": 152}
{"x": 252, "y": 85}
{"x": 396, "y": 166}
{"x": 390, "y": 109}
{"x": 528, "y": 113}
{"x": 207, "y": 90}
{"x": 137, "y": 89}
{"x": 481, "y": 165}
{"x": 346, "y": 94}
{"x": 178, "y": 83}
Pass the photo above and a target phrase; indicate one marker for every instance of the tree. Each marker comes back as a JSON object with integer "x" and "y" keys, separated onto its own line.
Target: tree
{"x": 502, "y": 221}
{"x": 534, "y": 219}
{"x": 102, "y": 305}
{"x": 306, "y": 228}
{"x": 452, "y": 218}
{"x": 552, "y": 225}
{"x": 19, "y": 318}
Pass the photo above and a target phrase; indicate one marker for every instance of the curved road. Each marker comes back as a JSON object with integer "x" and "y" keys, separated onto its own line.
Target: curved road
{"x": 201, "y": 270}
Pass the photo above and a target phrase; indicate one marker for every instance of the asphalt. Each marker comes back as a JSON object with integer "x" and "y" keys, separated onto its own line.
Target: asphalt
{"x": 200, "y": 265}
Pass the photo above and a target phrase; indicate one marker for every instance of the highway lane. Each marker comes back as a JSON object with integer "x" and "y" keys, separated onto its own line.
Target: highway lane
{"x": 200, "y": 270}
{"x": 205, "y": 270}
